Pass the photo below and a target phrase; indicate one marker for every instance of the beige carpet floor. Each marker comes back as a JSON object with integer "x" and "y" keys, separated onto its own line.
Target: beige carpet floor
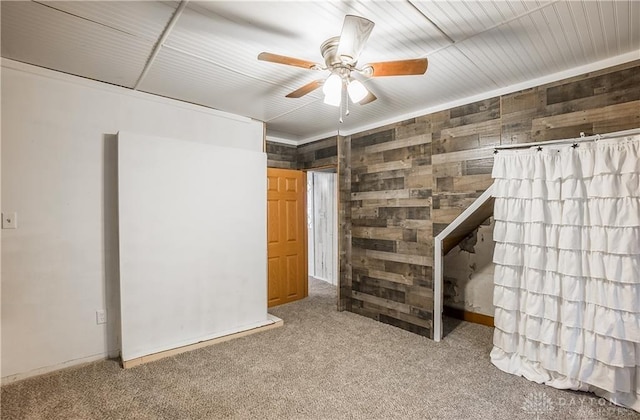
{"x": 322, "y": 364}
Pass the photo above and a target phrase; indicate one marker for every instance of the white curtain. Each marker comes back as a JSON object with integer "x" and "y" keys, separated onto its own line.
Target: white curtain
{"x": 567, "y": 275}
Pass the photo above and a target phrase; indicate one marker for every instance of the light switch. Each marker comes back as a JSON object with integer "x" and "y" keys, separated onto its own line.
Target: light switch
{"x": 10, "y": 220}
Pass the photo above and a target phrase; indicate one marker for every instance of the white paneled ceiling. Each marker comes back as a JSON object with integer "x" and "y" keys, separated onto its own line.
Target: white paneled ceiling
{"x": 206, "y": 52}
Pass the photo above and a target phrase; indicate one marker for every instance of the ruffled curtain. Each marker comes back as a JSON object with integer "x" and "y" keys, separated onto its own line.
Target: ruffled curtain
{"x": 567, "y": 274}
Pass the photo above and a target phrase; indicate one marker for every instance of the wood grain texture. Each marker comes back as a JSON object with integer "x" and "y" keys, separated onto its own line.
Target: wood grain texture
{"x": 318, "y": 154}
{"x": 345, "y": 259}
{"x": 403, "y": 183}
{"x": 281, "y": 156}
{"x": 390, "y": 201}
{"x": 600, "y": 102}
{"x": 321, "y": 153}
{"x": 287, "y": 275}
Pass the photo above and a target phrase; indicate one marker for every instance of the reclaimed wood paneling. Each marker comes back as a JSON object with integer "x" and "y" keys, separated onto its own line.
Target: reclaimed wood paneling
{"x": 408, "y": 181}
{"x": 318, "y": 154}
{"x": 402, "y": 184}
{"x": 345, "y": 259}
{"x": 594, "y": 103}
{"x": 281, "y": 156}
{"x": 463, "y": 157}
{"x": 390, "y": 203}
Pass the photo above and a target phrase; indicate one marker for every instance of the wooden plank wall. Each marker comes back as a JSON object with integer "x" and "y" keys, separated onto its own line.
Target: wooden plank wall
{"x": 401, "y": 184}
{"x": 318, "y": 154}
{"x": 599, "y": 102}
{"x": 463, "y": 142}
{"x": 344, "y": 223}
{"x": 281, "y": 156}
{"x": 392, "y": 241}
{"x": 594, "y": 103}
{"x": 410, "y": 180}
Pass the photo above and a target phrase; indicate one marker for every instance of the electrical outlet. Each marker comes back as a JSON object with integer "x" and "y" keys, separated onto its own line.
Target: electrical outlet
{"x": 10, "y": 220}
{"x": 101, "y": 316}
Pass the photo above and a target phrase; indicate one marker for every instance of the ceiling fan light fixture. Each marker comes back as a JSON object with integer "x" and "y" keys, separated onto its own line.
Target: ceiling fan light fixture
{"x": 341, "y": 55}
{"x": 333, "y": 100}
{"x": 332, "y": 90}
{"x": 357, "y": 91}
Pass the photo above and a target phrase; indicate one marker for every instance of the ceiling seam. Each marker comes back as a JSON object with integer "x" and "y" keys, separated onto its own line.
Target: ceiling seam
{"x": 497, "y": 25}
{"x": 293, "y": 110}
{"x": 163, "y": 37}
{"x": 517, "y": 17}
{"x": 90, "y": 20}
{"x": 231, "y": 69}
{"x": 453, "y": 43}
{"x": 198, "y": 57}
{"x": 446, "y": 35}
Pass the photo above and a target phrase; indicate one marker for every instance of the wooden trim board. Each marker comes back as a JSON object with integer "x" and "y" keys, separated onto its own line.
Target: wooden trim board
{"x": 127, "y": 364}
{"x": 468, "y": 316}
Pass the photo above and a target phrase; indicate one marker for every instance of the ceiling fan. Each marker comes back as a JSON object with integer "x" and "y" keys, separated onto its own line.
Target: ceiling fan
{"x": 341, "y": 55}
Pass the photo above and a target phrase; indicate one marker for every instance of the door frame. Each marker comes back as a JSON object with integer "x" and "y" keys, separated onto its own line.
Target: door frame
{"x": 336, "y": 224}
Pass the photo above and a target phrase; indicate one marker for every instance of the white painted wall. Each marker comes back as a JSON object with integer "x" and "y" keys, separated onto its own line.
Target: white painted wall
{"x": 59, "y": 173}
{"x": 193, "y": 242}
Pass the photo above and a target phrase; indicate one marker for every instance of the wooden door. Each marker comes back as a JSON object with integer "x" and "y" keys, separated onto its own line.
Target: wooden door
{"x": 286, "y": 236}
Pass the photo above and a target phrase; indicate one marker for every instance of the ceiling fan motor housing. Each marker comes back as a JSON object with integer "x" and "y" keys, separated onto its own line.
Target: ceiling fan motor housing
{"x": 328, "y": 49}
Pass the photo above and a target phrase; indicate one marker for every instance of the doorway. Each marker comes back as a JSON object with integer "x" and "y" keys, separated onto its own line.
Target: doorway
{"x": 322, "y": 226}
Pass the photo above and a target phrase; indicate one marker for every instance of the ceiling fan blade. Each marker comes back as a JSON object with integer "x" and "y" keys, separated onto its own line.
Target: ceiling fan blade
{"x": 367, "y": 99}
{"x": 396, "y": 68}
{"x": 290, "y": 61}
{"x": 308, "y": 88}
{"x": 355, "y": 32}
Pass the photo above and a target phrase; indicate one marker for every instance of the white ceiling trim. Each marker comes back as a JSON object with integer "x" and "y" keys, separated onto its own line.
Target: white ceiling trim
{"x": 281, "y": 140}
{"x": 576, "y": 71}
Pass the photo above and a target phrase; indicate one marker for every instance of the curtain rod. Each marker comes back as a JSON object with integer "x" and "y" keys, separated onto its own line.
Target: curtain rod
{"x": 582, "y": 138}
